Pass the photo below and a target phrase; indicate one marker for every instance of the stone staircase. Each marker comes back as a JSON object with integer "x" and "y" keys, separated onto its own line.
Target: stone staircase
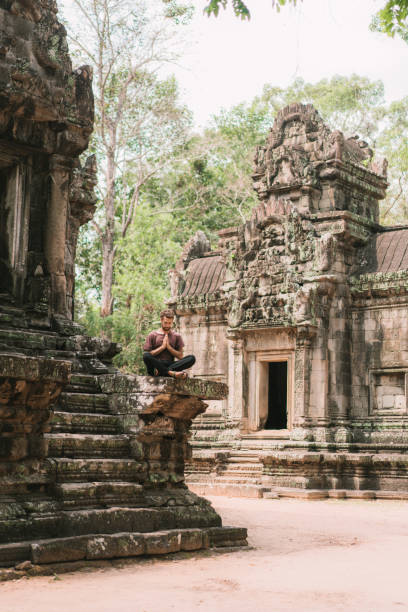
{"x": 237, "y": 473}
{"x": 92, "y": 456}
{"x": 98, "y": 491}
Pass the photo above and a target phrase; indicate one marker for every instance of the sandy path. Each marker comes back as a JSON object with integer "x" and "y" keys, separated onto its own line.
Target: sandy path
{"x": 309, "y": 556}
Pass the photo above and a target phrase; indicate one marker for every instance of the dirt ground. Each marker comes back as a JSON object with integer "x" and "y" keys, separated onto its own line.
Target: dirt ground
{"x": 307, "y": 555}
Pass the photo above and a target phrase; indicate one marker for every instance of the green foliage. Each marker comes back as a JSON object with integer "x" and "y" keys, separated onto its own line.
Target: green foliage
{"x": 393, "y": 143}
{"x": 144, "y": 257}
{"x": 181, "y": 14}
{"x": 240, "y": 8}
{"x": 392, "y": 19}
{"x": 351, "y": 104}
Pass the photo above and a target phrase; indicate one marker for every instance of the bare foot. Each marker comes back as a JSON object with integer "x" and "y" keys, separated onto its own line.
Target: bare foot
{"x": 181, "y": 375}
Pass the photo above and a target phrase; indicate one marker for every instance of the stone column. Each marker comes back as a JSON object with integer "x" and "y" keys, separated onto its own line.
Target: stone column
{"x": 252, "y": 394}
{"x": 56, "y": 232}
{"x": 305, "y": 334}
{"x": 235, "y": 377}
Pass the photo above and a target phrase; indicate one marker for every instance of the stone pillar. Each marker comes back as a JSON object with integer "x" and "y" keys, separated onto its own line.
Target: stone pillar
{"x": 235, "y": 377}
{"x": 56, "y": 232}
{"x": 252, "y": 417}
{"x": 301, "y": 418}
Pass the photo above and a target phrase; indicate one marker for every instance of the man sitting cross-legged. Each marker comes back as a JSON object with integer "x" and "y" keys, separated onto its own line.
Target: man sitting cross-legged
{"x": 162, "y": 346}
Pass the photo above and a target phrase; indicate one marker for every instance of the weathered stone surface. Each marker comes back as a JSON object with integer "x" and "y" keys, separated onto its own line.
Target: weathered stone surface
{"x": 28, "y": 388}
{"x": 311, "y": 281}
{"x": 115, "y": 383}
{"x": 19, "y": 367}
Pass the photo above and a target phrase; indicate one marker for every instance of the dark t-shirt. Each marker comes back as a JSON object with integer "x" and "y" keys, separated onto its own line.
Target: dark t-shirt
{"x": 155, "y": 339}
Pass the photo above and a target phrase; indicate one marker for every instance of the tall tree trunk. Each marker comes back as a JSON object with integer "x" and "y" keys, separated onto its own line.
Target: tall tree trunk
{"x": 108, "y": 239}
{"x": 108, "y": 254}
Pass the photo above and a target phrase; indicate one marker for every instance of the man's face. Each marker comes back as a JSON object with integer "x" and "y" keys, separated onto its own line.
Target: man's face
{"x": 166, "y": 323}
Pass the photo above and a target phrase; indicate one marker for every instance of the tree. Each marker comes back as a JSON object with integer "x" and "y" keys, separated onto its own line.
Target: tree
{"x": 392, "y": 142}
{"x": 145, "y": 255}
{"x": 210, "y": 187}
{"x": 354, "y": 104}
{"x": 139, "y": 121}
{"x": 392, "y": 19}
{"x": 214, "y": 176}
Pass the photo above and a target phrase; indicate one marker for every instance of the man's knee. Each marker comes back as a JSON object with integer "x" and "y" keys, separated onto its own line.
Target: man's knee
{"x": 191, "y": 359}
{"x": 147, "y": 356}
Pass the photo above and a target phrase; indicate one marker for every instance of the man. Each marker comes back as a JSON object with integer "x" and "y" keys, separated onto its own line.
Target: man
{"x": 162, "y": 347}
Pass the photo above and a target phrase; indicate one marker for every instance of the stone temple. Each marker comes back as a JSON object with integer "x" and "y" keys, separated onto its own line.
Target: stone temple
{"x": 303, "y": 311}
{"x": 91, "y": 461}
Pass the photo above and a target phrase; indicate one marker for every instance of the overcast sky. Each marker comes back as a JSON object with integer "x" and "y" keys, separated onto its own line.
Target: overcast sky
{"x": 231, "y": 59}
{"x": 228, "y": 61}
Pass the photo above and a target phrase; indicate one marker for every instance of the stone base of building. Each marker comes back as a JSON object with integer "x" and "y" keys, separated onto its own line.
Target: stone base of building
{"x": 300, "y": 472}
{"x": 119, "y": 545}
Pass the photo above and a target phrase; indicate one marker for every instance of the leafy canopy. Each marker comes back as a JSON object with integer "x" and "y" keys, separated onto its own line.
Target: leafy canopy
{"x": 392, "y": 19}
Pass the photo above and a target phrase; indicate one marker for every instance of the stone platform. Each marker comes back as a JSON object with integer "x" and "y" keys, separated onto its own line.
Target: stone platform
{"x": 104, "y": 475}
{"x": 356, "y": 472}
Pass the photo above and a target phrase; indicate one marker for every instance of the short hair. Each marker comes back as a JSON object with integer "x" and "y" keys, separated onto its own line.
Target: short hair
{"x": 169, "y": 314}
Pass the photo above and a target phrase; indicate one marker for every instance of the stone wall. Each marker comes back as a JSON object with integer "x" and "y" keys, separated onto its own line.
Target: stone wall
{"x": 46, "y": 120}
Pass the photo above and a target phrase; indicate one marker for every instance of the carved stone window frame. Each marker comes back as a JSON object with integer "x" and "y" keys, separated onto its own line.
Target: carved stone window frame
{"x": 373, "y": 409}
{"x": 258, "y": 389}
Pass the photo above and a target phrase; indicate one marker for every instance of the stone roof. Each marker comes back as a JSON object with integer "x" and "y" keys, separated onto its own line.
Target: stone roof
{"x": 204, "y": 275}
{"x": 387, "y": 252}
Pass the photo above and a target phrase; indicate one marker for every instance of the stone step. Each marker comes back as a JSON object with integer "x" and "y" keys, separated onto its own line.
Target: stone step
{"x": 21, "y": 338}
{"x": 240, "y": 475}
{"x": 244, "y": 467}
{"x": 83, "y": 402}
{"x": 83, "y": 383}
{"x": 98, "y": 546}
{"x": 89, "y": 470}
{"x": 87, "y": 445}
{"x": 228, "y": 479}
{"x": 67, "y": 523}
{"x": 92, "y": 494}
{"x": 244, "y": 458}
{"x": 228, "y": 489}
{"x": 69, "y": 422}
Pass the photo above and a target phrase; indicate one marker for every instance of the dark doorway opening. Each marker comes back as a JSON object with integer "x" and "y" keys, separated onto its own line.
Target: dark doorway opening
{"x": 277, "y": 395}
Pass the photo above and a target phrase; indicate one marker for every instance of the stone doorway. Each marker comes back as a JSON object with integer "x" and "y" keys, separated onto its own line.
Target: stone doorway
{"x": 270, "y": 392}
{"x": 277, "y": 417}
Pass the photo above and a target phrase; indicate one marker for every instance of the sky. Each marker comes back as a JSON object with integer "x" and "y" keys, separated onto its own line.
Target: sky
{"x": 229, "y": 60}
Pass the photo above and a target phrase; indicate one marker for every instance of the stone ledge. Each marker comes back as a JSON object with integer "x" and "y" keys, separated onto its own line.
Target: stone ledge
{"x": 337, "y": 494}
{"x": 38, "y": 369}
{"x": 194, "y": 387}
